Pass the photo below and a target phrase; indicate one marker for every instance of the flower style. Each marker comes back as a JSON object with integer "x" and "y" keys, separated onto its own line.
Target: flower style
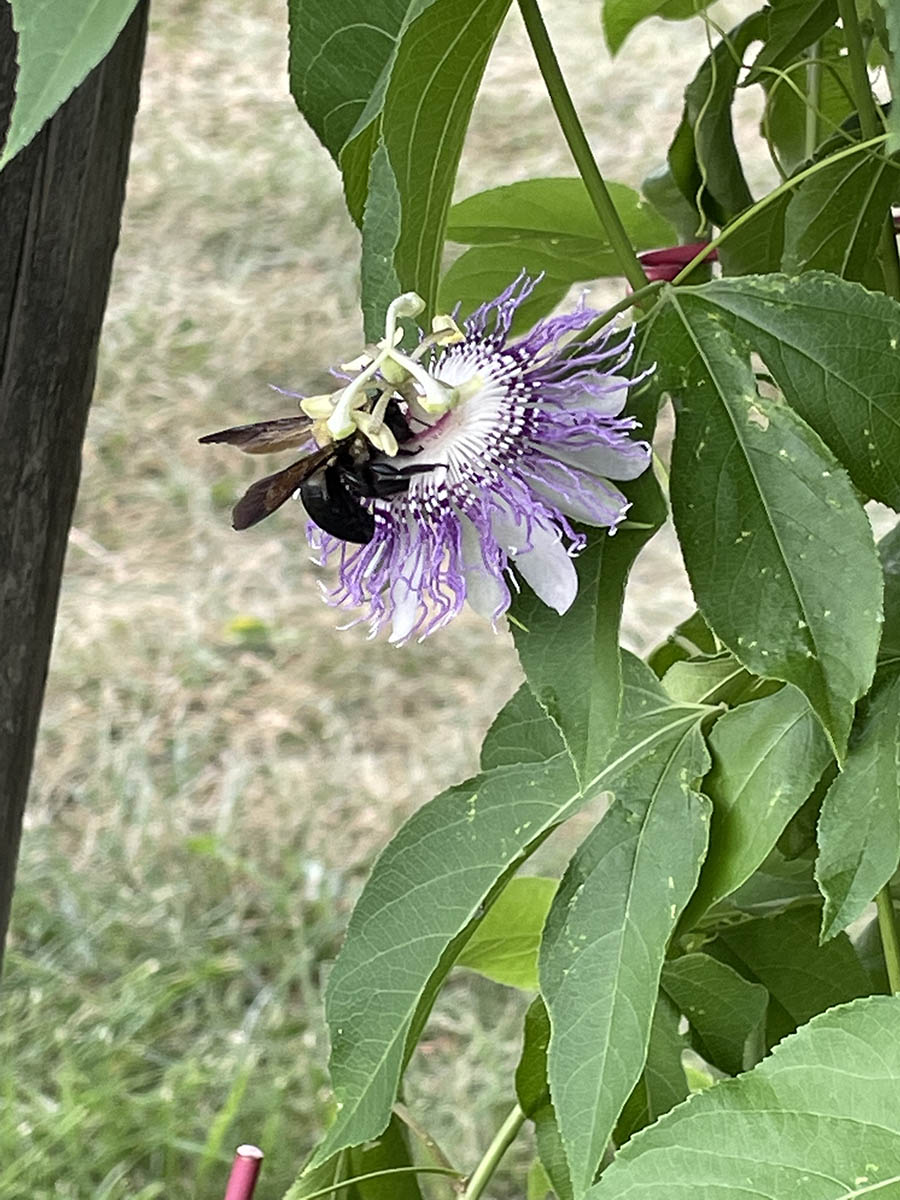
{"x": 509, "y": 443}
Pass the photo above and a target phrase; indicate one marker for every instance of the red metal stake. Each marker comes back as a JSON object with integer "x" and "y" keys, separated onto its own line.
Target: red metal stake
{"x": 244, "y": 1172}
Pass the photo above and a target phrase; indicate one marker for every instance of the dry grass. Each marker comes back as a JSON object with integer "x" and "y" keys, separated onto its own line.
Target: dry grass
{"x": 198, "y": 686}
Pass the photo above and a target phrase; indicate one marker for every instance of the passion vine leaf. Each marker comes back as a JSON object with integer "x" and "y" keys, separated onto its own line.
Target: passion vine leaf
{"x": 533, "y": 1094}
{"x": 767, "y": 756}
{"x": 815, "y": 1119}
{"x": 520, "y": 734}
{"x": 831, "y": 347}
{"x": 792, "y": 26}
{"x": 505, "y": 945}
{"x": 389, "y": 88}
{"x": 545, "y": 227}
{"x": 572, "y": 662}
{"x": 428, "y": 886}
{"x": 859, "y": 827}
{"x": 555, "y": 210}
{"x": 621, "y": 16}
{"x": 703, "y": 157}
{"x": 777, "y": 546}
{"x": 608, "y": 927}
{"x": 726, "y": 1012}
{"x": 60, "y": 41}
{"x": 802, "y": 977}
{"x": 663, "y": 1083}
{"x": 834, "y": 219}
{"x": 889, "y": 552}
{"x": 437, "y": 878}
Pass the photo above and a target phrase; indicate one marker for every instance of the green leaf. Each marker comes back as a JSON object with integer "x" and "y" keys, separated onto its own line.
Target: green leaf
{"x": 340, "y": 56}
{"x": 725, "y": 1011}
{"x": 832, "y": 348}
{"x": 533, "y": 1094}
{"x": 428, "y": 886}
{"x": 792, "y": 26}
{"x": 889, "y": 551}
{"x": 607, "y": 931}
{"x": 504, "y": 947}
{"x": 859, "y": 828}
{"x": 485, "y": 271}
{"x": 816, "y": 1120}
{"x": 785, "y": 115}
{"x": 554, "y": 208}
{"x": 664, "y": 194}
{"x": 777, "y": 885}
{"x": 802, "y": 977}
{"x": 60, "y": 41}
{"x": 757, "y": 245}
{"x": 545, "y": 227}
{"x": 571, "y": 661}
{"x": 431, "y": 885}
{"x": 621, "y": 16}
{"x": 777, "y": 546}
{"x": 835, "y": 218}
{"x": 703, "y": 157}
{"x": 388, "y": 1151}
{"x": 892, "y": 22}
{"x": 767, "y": 756}
{"x": 689, "y": 639}
{"x": 520, "y": 734}
{"x": 433, "y": 80}
{"x": 381, "y": 231}
{"x": 663, "y": 1082}
{"x": 714, "y": 679}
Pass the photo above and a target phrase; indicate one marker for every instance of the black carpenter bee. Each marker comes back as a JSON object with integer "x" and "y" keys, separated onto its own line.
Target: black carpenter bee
{"x": 333, "y": 480}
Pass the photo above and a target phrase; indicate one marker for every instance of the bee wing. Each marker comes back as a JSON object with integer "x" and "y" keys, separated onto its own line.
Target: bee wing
{"x": 270, "y": 493}
{"x": 265, "y": 437}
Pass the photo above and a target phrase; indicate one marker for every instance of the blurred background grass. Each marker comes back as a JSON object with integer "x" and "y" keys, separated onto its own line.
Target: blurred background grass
{"x": 217, "y": 764}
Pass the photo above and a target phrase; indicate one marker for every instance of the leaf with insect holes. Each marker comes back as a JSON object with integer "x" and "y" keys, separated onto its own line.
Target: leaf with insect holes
{"x": 817, "y": 1119}
{"x": 776, "y": 543}
{"x": 60, "y": 42}
{"x": 832, "y": 348}
{"x": 607, "y": 931}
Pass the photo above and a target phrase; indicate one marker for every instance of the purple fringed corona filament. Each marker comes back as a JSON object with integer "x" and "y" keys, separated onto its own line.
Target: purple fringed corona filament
{"x": 244, "y": 1173}
{"x": 532, "y": 439}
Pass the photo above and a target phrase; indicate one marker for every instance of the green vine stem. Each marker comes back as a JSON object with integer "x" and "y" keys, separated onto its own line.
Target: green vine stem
{"x": 869, "y": 123}
{"x": 890, "y": 941}
{"x": 577, "y": 142}
{"x": 813, "y": 99}
{"x": 345, "y": 1183}
{"x": 503, "y": 1139}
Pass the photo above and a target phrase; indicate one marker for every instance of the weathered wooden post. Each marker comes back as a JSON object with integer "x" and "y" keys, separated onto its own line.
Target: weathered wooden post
{"x": 60, "y": 207}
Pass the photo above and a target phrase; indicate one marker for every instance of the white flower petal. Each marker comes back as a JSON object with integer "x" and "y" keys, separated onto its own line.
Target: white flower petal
{"x": 545, "y": 566}
{"x": 625, "y": 461}
{"x": 580, "y": 496}
{"x": 405, "y": 601}
{"x": 485, "y": 592}
{"x": 609, "y": 402}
